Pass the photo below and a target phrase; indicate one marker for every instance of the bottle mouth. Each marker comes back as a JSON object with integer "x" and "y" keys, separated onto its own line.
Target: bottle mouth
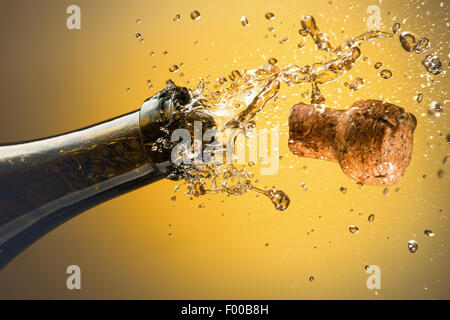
{"x": 168, "y": 110}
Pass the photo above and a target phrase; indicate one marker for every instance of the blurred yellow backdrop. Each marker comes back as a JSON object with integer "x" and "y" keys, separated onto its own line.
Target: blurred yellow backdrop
{"x": 54, "y": 80}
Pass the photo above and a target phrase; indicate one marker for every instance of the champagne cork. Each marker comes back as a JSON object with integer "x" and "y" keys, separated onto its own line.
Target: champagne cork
{"x": 372, "y": 140}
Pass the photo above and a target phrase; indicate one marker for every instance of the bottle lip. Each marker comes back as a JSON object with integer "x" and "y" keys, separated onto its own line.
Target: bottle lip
{"x": 156, "y": 115}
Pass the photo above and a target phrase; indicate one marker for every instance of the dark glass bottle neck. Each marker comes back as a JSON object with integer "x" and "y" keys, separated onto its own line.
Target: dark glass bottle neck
{"x": 43, "y": 183}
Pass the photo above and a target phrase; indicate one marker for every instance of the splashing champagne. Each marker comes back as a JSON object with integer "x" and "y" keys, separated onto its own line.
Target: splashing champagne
{"x": 44, "y": 183}
{"x": 236, "y": 106}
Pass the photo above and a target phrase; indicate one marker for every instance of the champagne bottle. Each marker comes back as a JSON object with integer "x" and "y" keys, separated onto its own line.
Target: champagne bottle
{"x": 45, "y": 182}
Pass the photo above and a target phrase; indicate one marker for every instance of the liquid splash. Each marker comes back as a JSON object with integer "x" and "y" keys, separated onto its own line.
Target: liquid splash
{"x": 235, "y": 107}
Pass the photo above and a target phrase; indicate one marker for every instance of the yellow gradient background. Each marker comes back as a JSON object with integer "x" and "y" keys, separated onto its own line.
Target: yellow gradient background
{"x": 53, "y": 80}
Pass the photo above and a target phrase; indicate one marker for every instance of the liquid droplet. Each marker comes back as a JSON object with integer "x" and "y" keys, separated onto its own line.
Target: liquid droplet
{"x": 303, "y": 32}
{"x": 435, "y": 109}
{"x": 222, "y": 80}
{"x": 173, "y": 68}
{"x": 273, "y": 61}
{"x": 235, "y": 75}
{"x": 195, "y": 15}
{"x": 413, "y": 246}
{"x": 139, "y": 37}
{"x": 433, "y": 64}
{"x": 422, "y": 46}
{"x": 279, "y": 199}
{"x": 269, "y": 16}
{"x": 378, "y": 65}
{"x": 244, "y": 21}
{"x": 429, "y": 233}
{"x": 371, "y": 218}
{"x": 356, "y": 84}
{"x": 353, "y": 229}
{"x": 419, "y": 98}
{"x": 408, "y": 41}
{"x": 396, "y": 27}
{"x": 386, "y": 74}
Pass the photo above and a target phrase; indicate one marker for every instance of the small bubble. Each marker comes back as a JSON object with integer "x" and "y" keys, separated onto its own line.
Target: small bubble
{"x": 371, "y": 218}
{"x": 139, "y": 37}
{"x": 419, "y": 98}
{"x": 195, "y": 15}
{"x": 173, "y": 68}
{"x": 303, "y": 32}
{"x": 251, "y": 163}
{"x": 221, "y": 80}
{"x": 311, "y": 279}
{"x": 269, "y": 16}
{"x": 360, "y": 184}
{"x": 178, "y": 17}
{"x": 435, "y": 109}
{"x": 343, "y": 189}
{"x": 138, "y": 21}
{"x": 440, "y": 173}
{"x": 284, "y": 40}
{"x": 433, "y": 64}
{"x": 170, "y": 234}
{"x": 429, "y": 233}
{"x": 235, "y": 75}
{"x": 300, "y": 45}
{"x": 173, "y": 198}
{"x": 304, "y": 186}
{"x": 385, "y": 192}
{"x": 396, "y": 27}
{"x": 244, "y": 21}
{"x": 353, "y": 229}
{"x": 266, "y": 244}
{"x": 273, "y": 61}
{"x": 149, "y": 84}
{"x": 422, "y": 46}
{"x": 408, "y": 41}
{"x": 413, "y": 246}
{"x": 356, "y": 84}
{"x": 386, "y": 74}
{"x": 377, "y": 65}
